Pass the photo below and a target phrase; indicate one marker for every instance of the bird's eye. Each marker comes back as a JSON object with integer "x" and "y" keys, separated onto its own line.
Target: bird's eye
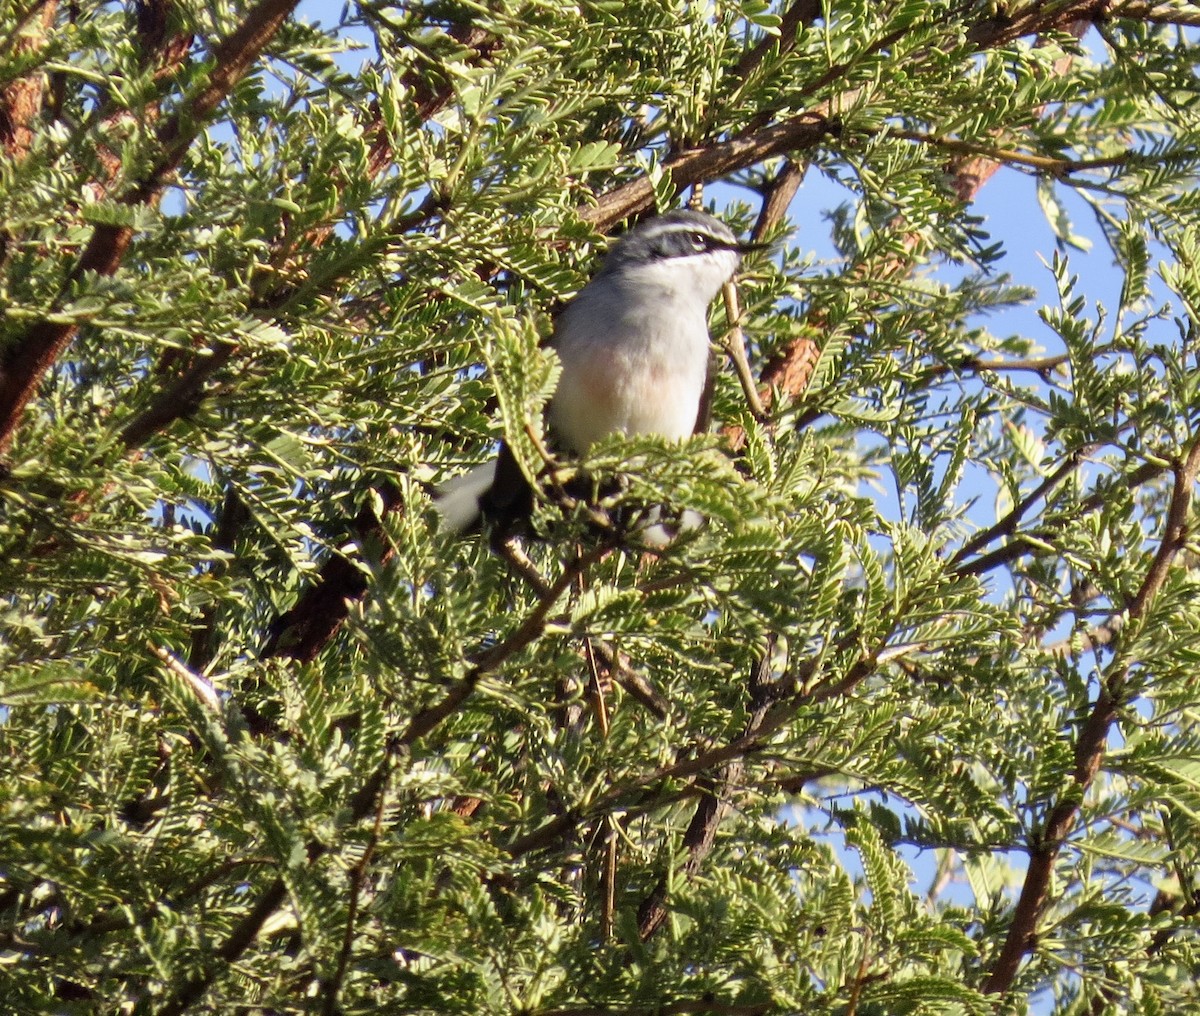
{"x": 699, "y": 241}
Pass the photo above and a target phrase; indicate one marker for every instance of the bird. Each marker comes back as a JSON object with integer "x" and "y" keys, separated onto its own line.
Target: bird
{"x": 633, "y": 345}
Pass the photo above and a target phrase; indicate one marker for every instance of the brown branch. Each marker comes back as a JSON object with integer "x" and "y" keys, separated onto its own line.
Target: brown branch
{"x": 708, "y": 162}
{"x": 1022, "y": 932}
{"x": 1159, "y": 14}
{"x": 1174, "y": 535}
{"x": 608, "y": 880}
{"x": 1052, "y": 165}
{"x": 302, "y": 631}
{"x": 180, "y": 398}
{"x": 333, "y": 989}
{"x": 1008, "y": 524}
{"x": 695, "y": 760}
{"x": 199, "y": 685}
{"x": 232, "y": 58}
{"x": 1093, "y": 738}
{"x": 777, "y": 198}
{"x": 488, "y": 661}
{"x": 701, "y": 832}
{"x": 195, "y": 985}
{"x": 1095, "y": 637}
{"x": 734, "y": 342}
{"x": 799, "y": 15}
{"x": 31, "y": 355}
{"x": 428, "y": 96}
{"x": 1041, "y": 365}
{"x": 158, "y": 52}
{"x": 25, "y": 362}
{"x": 1018, "y": 546}
{"x": 1039, "y": 18}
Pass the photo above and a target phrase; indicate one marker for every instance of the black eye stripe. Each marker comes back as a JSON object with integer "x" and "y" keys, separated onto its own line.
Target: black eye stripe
{"x": 685, "y": 243}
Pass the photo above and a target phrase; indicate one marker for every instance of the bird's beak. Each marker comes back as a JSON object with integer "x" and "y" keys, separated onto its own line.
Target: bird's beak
{"x": 746, "y": 248}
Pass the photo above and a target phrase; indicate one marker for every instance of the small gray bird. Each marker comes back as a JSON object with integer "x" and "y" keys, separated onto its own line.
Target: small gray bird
{"x": 634, "y": 348}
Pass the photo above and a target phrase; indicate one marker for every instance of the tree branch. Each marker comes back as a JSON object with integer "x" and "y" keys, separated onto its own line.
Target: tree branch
{"x": 180, "y": 398}
{"x": 488, "y": 661}
{"x": 332, "y": 990}
{"x": 195, "y": 985}
{"x": 1047, "y": 164}
{"x": 697, "y": 759}
{"x": 318, "y": 614}
{"x": 713, "y": 805}
{"x": 1019, "y": 545}
{"x": 1093, "y": 738}
{"x": 709, "y": 162}
{"x": 1008, "y": 524}
{"x": 1159, "y": 14}
{"x": 800, "y": 14}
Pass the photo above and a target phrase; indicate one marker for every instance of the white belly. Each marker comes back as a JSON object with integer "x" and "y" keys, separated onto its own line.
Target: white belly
{"x": 628, "y": 381}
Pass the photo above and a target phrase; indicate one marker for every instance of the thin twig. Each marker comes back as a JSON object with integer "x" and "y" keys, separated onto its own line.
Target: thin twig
{"x": 1007, "y": 525}
{"x": 200, "y": 685}
{"x": 1043, "y": 163}
{"x": 734, "y": 343}
{"x": 798, "y": 15}
{"x": 511, "y": 551}
{"x": 634, "y": 683}
{"x": 608, "y": 879}
{"x": 629, "y": 679}
{"x": 357, "y": 875}
{"x": 596, "y": 687}
{"x": 1159, "y": 14}
{"x": 488, "y": 661}
{"x": 860, "y": 975}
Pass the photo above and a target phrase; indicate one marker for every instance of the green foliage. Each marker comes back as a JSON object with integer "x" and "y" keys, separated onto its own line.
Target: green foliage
{"x": 272, "y": 741}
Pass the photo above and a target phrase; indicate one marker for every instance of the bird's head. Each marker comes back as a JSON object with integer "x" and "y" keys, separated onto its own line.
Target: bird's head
{"x": 685, "y": 250}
